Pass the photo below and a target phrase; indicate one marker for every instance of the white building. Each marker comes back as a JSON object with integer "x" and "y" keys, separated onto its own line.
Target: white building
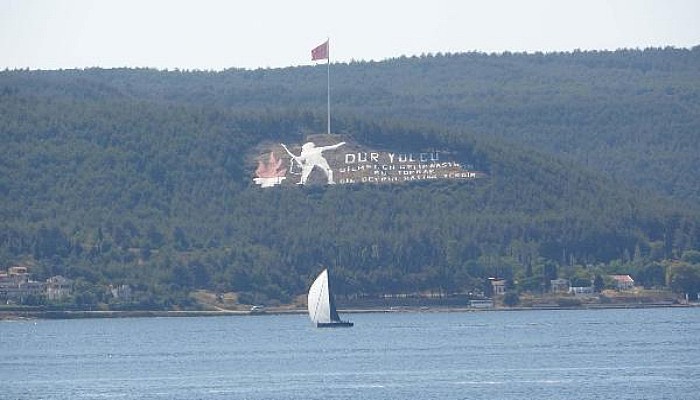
{"x": 498, "y": 286}
{"x": 58, "y": 288}
{"x": 559, "y": 285}
{"x": 15, "y": 286}
{"x": 582, "y": 290}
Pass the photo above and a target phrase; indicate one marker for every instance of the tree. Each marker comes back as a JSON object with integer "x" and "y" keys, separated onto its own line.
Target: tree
{"x": 685, "y": 279}
{"x": 511, "y": 299}
{"x": 549, "y": 273}
{"x": 691, "y": 257}
{"x": 580, "y": 280}
{"x": 651, "y": 275}
{"x": 598, "y": 283}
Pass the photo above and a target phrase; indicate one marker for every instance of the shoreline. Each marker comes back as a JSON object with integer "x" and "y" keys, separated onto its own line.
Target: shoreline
{"x": 32, "y": 315}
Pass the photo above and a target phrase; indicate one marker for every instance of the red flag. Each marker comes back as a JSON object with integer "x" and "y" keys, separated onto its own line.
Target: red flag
{"x": 320, "y": 52}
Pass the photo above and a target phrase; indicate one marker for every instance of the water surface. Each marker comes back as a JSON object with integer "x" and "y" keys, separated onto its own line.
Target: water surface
{"x": 582, "y": 354}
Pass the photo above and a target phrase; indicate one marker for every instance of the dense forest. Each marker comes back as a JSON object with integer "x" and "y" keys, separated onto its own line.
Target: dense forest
{"x": 142, "y": 177}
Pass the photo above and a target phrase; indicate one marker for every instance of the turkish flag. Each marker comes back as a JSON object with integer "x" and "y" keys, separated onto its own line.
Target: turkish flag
{"x": 320, "y": 52}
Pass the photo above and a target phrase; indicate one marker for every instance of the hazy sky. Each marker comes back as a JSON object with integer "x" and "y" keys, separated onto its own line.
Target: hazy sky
{"x": 210, "y": 34}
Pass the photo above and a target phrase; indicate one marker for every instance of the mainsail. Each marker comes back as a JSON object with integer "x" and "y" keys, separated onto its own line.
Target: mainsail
{"x": 321, "y": 306}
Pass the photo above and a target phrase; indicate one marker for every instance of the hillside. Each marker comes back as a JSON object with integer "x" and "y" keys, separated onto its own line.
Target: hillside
{"x": 143, "y": 177}
{"x": 631, "y": 114}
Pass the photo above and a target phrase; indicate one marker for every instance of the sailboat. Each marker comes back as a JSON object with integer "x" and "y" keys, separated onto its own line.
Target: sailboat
{"x": 322, "y": 309}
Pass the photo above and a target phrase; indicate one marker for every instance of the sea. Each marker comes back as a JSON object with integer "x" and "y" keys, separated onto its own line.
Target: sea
{"x": 552, "y": 354}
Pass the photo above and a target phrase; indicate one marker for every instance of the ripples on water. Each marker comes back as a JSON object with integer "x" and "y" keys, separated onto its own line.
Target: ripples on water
{"x": 602, "y": 354}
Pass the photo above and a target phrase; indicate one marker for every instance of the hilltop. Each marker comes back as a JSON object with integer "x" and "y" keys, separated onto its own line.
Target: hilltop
{"x": 631, "y": 114}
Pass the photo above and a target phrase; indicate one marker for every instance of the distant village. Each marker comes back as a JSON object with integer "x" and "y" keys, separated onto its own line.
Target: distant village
{"x": 620, "y": 289}
{"x": 560, "y": 294}
{"x": 17, "y": 287}
{"x": 622, "y": 283}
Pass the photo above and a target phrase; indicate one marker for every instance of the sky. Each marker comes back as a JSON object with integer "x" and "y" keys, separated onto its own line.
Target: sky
{"x": 251, "y": 34}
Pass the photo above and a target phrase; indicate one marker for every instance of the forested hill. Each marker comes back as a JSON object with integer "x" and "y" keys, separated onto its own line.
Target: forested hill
{"x": 632, "y": 114}
{"x": 143, "y": 177}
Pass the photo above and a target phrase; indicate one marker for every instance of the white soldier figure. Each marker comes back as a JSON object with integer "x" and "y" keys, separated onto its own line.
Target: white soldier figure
{"x": 311, "y": 157}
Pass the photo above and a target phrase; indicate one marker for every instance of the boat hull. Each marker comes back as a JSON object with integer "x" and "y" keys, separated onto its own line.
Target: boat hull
{"x": 336, "y": 324}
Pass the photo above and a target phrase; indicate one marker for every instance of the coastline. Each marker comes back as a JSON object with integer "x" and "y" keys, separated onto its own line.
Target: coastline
{"x": 34, "y": 314}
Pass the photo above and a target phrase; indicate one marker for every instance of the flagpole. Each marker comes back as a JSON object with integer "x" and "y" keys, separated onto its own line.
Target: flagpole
{"x": 329, "y": 85}
{"x": 318, "y": 53}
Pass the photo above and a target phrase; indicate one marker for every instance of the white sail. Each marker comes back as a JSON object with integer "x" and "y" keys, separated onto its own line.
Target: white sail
{"x": 319, "y": 302}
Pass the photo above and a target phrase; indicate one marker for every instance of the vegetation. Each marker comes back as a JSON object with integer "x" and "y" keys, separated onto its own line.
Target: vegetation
{"x": 141, "y": 177}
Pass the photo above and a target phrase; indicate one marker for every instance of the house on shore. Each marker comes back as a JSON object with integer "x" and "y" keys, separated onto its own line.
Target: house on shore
{"x": 58, "y": 288}
{"x": 498, "y": 286}
{"x": 623, "y": 282}
{"x": 16, "y": 287}
{"x": 585, "y": 291}
{"x": 559, "y": 285}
